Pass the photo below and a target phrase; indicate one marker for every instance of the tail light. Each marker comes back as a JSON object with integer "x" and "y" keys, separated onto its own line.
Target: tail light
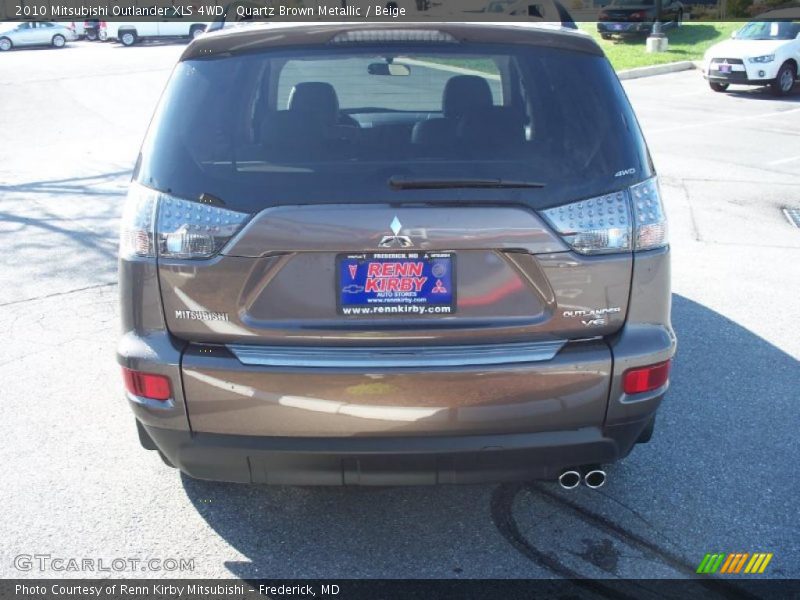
{"x": 637, "y": 16}
{"x": 154, "y": 223}
{"x": 645, "y": 379}
{"x": 194, "y": 230}
{"x": 603, "y": 16}
{"x": 103, "y": 25}
{"x": 631, "y": 219}
{"x": 650, "y": 222}
{"x": 137, "y": 235}
{"x": 147, "y": 385}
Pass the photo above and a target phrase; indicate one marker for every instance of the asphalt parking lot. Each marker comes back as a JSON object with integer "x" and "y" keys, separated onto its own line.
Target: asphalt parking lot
{"x": 720, "y": 474}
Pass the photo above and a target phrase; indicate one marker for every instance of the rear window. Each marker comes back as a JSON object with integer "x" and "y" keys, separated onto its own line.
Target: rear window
{"x": 336, "y": 124}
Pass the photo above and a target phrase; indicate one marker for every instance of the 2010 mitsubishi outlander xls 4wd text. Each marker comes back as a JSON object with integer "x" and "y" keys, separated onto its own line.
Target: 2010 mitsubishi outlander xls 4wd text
{"x": 394, "y": 254}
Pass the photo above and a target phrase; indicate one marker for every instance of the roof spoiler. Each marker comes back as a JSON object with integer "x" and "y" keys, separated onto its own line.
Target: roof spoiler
{"x": 535, "y": 11}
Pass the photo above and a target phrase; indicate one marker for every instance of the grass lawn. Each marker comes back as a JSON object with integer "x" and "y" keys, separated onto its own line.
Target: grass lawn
{"x": 689, "y": 42}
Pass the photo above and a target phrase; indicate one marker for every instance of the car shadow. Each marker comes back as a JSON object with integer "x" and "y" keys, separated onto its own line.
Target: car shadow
{"x": 677, "y": 35}
{"x": 763, "y": 93}
{"x": 730, "y": 411}
{"x": 67, "y": 46}
{"x": 146, "y": 43}
{"x": 48, "y": 229}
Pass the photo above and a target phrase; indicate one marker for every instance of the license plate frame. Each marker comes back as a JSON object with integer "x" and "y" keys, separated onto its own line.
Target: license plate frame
{"x": 394, "y": 288}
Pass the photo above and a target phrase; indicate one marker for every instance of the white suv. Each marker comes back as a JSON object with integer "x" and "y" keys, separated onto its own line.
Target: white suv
{"x": 763, "y": 52}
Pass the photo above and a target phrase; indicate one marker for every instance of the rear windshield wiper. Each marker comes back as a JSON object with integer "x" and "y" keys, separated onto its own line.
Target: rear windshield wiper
{"x": 402, "y": 183}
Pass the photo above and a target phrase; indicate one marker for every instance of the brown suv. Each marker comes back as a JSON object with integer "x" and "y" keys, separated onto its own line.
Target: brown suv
{"x": 379, "y": 254}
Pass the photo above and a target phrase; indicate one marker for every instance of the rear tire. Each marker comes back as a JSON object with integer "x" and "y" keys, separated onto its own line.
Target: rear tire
{"x": 91, "y": 35}
{"x": 5, "y": 44}
{"x": 784, "y": 82}
{"x": 718, "y": 87}
{"x": 127, "y": 38}
{"x": 605, "y": 36}
{"x": 58, "y": 41}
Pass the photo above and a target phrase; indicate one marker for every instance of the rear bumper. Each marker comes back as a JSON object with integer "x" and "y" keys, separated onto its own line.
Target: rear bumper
{"x": 563, "y": 392}
{"x": 624, "y": 27}
{"x": 392, "y": 460}
{"x": 342, "y": 424}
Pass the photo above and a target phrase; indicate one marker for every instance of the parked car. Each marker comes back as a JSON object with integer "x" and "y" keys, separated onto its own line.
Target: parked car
{"x": 763, "y": 52}
{"x": 636, "y": 17}
{"x": 341, "y": 266}
{"x": 129, "y": 33}
{"x": 27, "y": 33}
{"x": 548, "y": 11}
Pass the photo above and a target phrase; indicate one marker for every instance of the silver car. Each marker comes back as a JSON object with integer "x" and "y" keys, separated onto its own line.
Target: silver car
{"x": 17, "y": 35}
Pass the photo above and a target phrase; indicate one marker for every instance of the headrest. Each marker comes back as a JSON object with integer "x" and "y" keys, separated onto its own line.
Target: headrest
{"x": 465, "y": 93}
{"x": 315, "y": 98}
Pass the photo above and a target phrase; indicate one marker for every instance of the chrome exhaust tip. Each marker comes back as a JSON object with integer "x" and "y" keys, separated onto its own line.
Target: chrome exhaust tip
{"x": 594, "y": 478}
{"x": 569, "y": 479}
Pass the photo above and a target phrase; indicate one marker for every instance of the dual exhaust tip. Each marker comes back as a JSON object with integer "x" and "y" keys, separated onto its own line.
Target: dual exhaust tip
{"x": 593, "y": 477}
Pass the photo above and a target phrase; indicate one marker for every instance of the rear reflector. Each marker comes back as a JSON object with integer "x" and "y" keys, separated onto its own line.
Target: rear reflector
{"x": 646, "y": 379}
{"x": 147, "y": 385}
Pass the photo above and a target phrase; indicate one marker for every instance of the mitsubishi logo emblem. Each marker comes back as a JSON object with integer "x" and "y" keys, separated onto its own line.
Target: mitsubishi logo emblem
{"x": 396, "y": 240}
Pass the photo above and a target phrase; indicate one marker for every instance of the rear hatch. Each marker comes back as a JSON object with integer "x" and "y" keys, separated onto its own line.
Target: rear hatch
{"x": 488, "y": 275}
{"x": 387, "y": 221}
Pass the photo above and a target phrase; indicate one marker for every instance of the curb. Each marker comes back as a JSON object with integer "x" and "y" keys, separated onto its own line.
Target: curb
{"x": 684, "y": 65}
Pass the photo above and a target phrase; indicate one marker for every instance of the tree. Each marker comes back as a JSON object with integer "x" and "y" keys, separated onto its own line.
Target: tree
{"x": 739, "y": 8}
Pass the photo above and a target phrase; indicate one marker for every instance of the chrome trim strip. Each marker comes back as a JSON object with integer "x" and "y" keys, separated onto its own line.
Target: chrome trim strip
{"x": 149, "y": 402}
{"x": 416, "y": 356}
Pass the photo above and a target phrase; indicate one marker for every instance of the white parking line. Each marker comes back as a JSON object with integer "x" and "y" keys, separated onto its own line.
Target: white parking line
{"x": 783, "y": 160}
{"x": 686, "y": 94}
{"x": 723, "y": 121}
